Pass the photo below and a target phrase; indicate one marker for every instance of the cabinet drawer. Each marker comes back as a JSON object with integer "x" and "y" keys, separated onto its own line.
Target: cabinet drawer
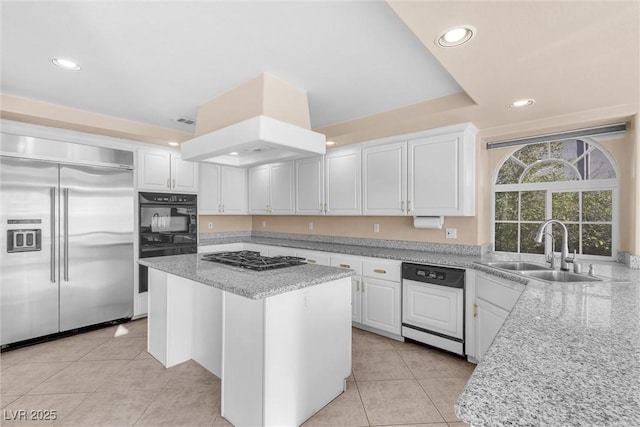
{"x": 346, "y": 261}
{"x": 499, "y": 293}
{"x": 314, "y": 257}
{"x": 382, "y": 269}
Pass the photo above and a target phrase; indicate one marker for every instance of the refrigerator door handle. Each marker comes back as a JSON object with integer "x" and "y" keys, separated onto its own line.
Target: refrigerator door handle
{"x": 52, "y": 266}
{"x": 65, "y": 192}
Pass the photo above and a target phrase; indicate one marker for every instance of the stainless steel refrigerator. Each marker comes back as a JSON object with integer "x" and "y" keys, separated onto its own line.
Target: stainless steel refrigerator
{"x": 67, "y": 238}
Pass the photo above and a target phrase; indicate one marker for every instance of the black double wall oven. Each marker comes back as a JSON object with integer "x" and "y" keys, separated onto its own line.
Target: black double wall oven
{"x": 168, "y": 226}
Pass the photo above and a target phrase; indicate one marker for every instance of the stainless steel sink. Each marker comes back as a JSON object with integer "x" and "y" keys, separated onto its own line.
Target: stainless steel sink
{"x": 517, "y": 265}
{"x": 559, "y": 276}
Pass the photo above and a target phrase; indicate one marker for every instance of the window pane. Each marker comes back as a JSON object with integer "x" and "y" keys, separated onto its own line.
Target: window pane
{"x": 599, "y": 166}
{"x": 550, "y": 171}
{"x": 596, "y": 206}
{"x": 506, "y": 237}
{"x": 532, "y": 153}
{"x": 596, "y": 239}
{"x": 507, "y": 206}
{"x": 532, "y": 205}
{"x": 510, "y": 172}
{"x": 568, "y": 150}
{"x": 574, "y": 237}
{"x": 565, "y": 206}
{"x": 528, "y": 242}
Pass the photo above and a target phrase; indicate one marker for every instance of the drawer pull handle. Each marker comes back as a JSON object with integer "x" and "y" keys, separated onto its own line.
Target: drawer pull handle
{"x": 379, "y": 270}
{"x": 311, "y": 261}
{"x": 345, "y": 266}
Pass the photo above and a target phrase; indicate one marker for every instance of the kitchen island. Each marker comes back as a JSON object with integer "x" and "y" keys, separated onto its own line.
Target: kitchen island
{"x": 280, "y": 340}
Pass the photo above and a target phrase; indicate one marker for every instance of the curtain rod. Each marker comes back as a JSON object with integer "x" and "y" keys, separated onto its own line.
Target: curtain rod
{"x": 600, "y": 130}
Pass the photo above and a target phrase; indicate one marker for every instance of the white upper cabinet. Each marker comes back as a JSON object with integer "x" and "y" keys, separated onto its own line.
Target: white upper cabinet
{"x": 310, "y": 186}
{"x": 281, "y": 190}
{"x": 166, "y": 171}
{"x": 343, "y": 181}
{"x": 271, "y": 189}
{"x": 384, "y": 179}
{"x": 233, "y": 190}
{"x": 441, "y": 174}
{"x": 223, "y": 190}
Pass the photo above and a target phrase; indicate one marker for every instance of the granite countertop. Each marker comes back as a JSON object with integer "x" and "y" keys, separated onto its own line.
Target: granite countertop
{"x": 250, "y": 284}
{"x": 567, "y": 355}
{"x": 453, "y": 260}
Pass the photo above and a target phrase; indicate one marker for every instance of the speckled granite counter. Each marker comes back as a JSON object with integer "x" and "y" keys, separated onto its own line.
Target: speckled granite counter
{"x": 463, "y": 261}
{"x": 567, "y": 355}
{"x": 249, "y": 284}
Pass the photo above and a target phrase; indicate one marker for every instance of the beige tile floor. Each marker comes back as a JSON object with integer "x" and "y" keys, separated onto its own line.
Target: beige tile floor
{"x": 106, "y": 378}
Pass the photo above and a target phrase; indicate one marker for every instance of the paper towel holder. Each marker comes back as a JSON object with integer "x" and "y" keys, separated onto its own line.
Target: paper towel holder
{"x": 428, "y": 222}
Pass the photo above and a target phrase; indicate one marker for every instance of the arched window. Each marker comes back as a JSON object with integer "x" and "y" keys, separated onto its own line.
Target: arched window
{"x": 573, "y": 180}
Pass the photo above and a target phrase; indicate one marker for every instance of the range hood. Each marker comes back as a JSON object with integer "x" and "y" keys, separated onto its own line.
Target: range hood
{"x": 264, "y": 120}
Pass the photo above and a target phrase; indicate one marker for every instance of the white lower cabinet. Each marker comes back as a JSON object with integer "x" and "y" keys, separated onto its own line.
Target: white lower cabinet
{"x": 380, "y": 291}
{"x": 381, "y": 304}
{"x": 353, "y": 263}
{"x": 494, "y": 299}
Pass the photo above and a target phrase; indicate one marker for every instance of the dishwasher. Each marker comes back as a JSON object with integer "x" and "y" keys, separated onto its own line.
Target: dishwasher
{"x": 433, "y": 306}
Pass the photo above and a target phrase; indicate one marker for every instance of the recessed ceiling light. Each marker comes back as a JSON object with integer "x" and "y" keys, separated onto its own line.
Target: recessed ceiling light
{"x": 522, "y": 103}
{"x": 233, "y": 153}
{"x": 456, "y": 36}
{"x": 173, "y": 144}
{"x": 331, "y": 143}
{"x": 67, "y": 64}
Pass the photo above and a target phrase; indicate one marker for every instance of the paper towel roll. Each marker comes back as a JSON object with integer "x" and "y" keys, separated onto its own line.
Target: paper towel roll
{"x": 428, "y": 222}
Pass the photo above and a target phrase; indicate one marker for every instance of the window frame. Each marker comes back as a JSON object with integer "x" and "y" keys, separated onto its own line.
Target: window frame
{"x": 612, "y": 184}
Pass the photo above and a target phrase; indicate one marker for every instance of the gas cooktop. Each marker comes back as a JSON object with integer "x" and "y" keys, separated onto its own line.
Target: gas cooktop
{"x": 253, "y": 260}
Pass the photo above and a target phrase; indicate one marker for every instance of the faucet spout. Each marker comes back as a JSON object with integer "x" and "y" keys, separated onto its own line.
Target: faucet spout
{"x": 564, "y": 250}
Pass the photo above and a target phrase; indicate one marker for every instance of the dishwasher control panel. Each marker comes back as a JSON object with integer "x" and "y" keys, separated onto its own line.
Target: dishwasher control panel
{"x": 452, "y": 277}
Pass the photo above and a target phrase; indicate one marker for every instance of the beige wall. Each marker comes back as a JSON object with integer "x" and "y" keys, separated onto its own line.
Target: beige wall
{"x": 392, "y": 228}
{"x": 222, "y": 223}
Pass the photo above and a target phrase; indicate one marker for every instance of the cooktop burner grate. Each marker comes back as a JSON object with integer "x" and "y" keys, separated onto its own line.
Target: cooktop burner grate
{"x": 252, "y": 260}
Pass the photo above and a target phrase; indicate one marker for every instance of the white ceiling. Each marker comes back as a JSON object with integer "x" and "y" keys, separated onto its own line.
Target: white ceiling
{"x": 155, "y": 61}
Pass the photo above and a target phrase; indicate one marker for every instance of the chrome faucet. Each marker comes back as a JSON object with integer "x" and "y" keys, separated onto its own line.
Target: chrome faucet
{"x": 564, "y": 251}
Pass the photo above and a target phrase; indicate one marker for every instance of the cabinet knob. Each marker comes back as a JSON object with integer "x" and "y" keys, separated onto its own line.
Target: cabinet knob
{"x": 408, "y": 205}
{"x": 402, "y": 205}
{"x": 168, "y": 183}
{"x": 345, "y": 266}
{"x": 475, "y": 310}
{"x": 380, "y": 271}
{"x": 357, "y": 285}
{"x": 311, "y": 261}
{"x": 174, "y": 183}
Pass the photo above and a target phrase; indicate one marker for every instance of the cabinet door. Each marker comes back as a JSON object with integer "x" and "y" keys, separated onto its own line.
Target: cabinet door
{"x": 281, "y": 200}
{"x": 384, "y": 178}
{"x": 434, "y": 175}
{"x": 184, "y": 174}
{"x": 233, "y": 190}
{"x": 381, "y": 304}
{"x": 209, "y": 185}
{"x": 356, "y": 299}
{"x": 489, "y": 320}
{"x": 154, "y": 169}
{"x": 343, "y": 182}
{"x": 310, "y": 186}
{"x": 259, "y": 189}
